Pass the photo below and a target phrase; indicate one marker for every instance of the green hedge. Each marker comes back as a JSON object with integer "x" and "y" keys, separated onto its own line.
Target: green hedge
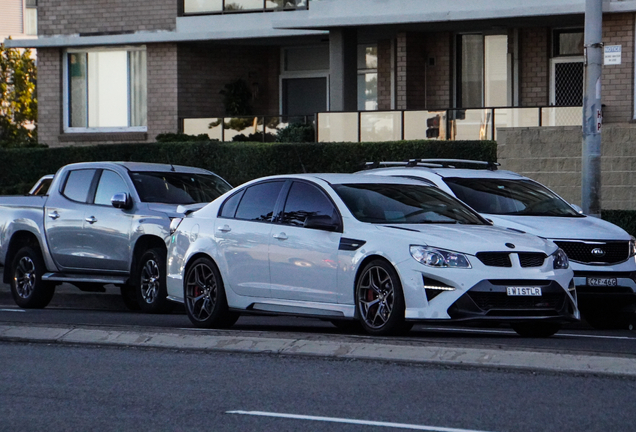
{"x": 625, "y": 219}
{"x": 236, "y": 162}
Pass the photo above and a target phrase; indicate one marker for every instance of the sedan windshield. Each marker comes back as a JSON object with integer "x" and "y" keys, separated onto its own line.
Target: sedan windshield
{"x": 404, "y": 204}
{"x": 509, "y": 197}
{"x": 178, "y": 188}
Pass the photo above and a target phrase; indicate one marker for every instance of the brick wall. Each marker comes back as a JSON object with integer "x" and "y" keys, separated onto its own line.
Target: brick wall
{"x": 162, "y": 100}
{"x": 205, "y": 69}
{"x": 49, "y": 92}
{"x": 534, "y": 66}
{"x": 384, "y": 74}
{"x": 439, "y": 75}
{"x": 63, "y": 17}
{"x": 552, "y": 156}
{"x": 618, "y": 80}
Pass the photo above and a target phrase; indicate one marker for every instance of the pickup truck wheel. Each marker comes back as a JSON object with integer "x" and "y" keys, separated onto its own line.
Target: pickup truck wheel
{"x": 27, "y": 288}
{"x": 129, "y": 297}
{"x": 151, "y": 287}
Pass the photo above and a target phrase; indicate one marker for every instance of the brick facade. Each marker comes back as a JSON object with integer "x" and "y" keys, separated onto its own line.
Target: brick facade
{"x": 162, "y": 100}
{"x": 63, "y": 17}
{"x": 384, "y": 74}
{"x": 204, "y": 70}
{"x": 534, "y": 66}
{"x": 618, "y": 80}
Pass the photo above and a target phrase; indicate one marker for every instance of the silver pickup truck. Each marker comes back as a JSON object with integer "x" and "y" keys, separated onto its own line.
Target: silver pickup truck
{"x": 100, "y": 223}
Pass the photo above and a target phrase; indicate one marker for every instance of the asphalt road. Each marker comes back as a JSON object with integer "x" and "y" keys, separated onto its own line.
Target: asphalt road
{"x": 44, "y": 387}
{"x": 71, "y": 307}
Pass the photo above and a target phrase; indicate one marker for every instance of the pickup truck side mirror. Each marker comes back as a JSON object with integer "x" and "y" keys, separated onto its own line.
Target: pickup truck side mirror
{"x": 321, "y": 222}
{"x": 121, "y": 201}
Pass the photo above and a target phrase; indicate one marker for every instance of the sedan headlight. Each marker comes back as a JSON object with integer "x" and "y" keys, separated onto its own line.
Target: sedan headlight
{"x": 561, "y": 260}
{"x": 434, "y": 257}
{"x": 632, "y": 247}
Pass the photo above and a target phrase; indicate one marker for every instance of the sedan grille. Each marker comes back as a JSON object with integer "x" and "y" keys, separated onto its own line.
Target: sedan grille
{"x": 595, "y": 252}
{"x": 495, "y": 259}
{"x": 497, "y": 300}
{"x": 532, "y": 259}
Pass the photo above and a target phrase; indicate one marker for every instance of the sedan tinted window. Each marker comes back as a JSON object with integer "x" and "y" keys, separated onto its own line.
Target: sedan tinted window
{"x": 229, "y": 206}
{"x": 78, "y": 184}
{"x": 509, "y": 197}
{"x": 304, "y": 200}
{"x": 404, "y": 203}
{"x": 258, "y": 201}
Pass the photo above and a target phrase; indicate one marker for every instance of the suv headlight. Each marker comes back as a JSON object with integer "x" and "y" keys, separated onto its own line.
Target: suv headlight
{"x": 434, "y": 257}
{"x": 561, "y": 260}
{"x": 632, "y": 247}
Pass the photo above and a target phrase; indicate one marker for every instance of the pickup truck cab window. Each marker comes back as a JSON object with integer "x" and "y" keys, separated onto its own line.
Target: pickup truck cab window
{"x": 110, "y": 183}
{"x": 78, "y": 184}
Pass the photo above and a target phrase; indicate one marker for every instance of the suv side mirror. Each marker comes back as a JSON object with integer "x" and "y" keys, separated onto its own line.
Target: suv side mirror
{"x": 121, "y": 201}
{"x": 321, "y": 222}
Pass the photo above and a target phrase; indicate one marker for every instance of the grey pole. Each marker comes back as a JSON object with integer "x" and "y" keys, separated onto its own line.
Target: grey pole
{"x": 592, "y": 120}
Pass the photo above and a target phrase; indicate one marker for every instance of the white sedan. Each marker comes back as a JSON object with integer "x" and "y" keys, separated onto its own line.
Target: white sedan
{"x": 384, "y": 252}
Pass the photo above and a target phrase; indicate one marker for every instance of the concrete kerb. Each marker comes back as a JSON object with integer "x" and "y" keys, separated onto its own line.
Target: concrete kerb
{"x": 241, "y": 343}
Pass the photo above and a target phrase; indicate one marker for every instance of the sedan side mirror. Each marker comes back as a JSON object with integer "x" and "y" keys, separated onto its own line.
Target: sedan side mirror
{"x": 578, "y": 209}
{"x": 321, "y": 222}
{"x": 121, "y": 201}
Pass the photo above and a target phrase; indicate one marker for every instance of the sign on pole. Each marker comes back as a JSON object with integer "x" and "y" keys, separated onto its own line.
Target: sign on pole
{"x": 612, "y": 55}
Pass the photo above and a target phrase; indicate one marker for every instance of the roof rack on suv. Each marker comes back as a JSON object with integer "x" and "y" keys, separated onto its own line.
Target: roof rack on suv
{"x": 432, "y": 163}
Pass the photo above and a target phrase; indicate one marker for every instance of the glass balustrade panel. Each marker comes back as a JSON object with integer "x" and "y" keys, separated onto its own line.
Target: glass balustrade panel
{"x": 562, "y": 116}
{"x": 470, "y": 124}
{"x": 338, "y": 127}
{"x": 203, "y": 126}
{"x": 516, "y": 117}
{"x": 380, "y": 126}
{"x": 424, "y": 125}
{"x": 202, "y": 6}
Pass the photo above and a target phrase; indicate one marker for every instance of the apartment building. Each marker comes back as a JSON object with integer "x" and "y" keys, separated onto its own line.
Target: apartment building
{"x": 18, "y": 19}
{"x": 117, "y": 71}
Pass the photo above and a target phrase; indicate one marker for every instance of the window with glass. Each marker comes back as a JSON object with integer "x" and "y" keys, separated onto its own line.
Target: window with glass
{"x": 483, "y": 70}
{"x": 110, "y": 183}
{"x": 305, "y": 200}
{"x": 77, "y": 185}
{"x": 31, "y": 17}
{"x": 258, "y": 202}
{"x": 568, "y": 42}
{"x": 106, "y": 89}
{"x": 367, "y": 77}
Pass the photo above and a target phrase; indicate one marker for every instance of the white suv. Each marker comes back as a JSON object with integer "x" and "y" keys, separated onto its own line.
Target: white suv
{"x": 602, "y": 254}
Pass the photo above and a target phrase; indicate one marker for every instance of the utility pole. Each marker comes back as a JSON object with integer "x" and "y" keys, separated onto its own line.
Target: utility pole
{"x": 592, "y": 115}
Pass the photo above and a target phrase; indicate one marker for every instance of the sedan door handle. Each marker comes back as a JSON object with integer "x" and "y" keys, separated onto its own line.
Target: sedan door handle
{"x": 91, "y": 220}
{"x": 280, "y": 236}
{"x": 54, "y": 215}
{"x": 224, "y": 228}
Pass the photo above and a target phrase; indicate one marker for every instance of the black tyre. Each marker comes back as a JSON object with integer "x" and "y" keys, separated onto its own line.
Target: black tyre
{"x": 348, "y": 326}
{"x": 204, "y": 296}
{"x": 536, "y": 330}
{"x": 379, "y": 300}
{"x": 150, "y": 286}
{"x": 27, "y": 288}
{"x": 129, "y": 297}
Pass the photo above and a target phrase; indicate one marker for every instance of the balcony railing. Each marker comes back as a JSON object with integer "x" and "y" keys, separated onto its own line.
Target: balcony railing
{"x": 263, "y": 128}
{"x": 450, "y": 124}
{"x": 204, "y": 7}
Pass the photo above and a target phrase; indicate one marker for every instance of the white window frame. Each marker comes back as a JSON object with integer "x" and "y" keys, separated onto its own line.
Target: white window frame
{"x": 553, "y": 62}
{"x": 318, "y": 73}
{"x": 65, "y": 93}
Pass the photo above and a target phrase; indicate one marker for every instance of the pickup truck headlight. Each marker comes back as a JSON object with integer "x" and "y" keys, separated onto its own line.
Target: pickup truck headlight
{"x": 561, "y": 260}
{"x": 632, "y": 247}
{"x": 434, "y": 257}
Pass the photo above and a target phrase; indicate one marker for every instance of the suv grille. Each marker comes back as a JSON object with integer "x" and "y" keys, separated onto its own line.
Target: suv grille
{"x": 497, "y": 300}
{"x": 495, "y": 259}
{"x": 532, "y": 259}
{"x": 612, "y": 251}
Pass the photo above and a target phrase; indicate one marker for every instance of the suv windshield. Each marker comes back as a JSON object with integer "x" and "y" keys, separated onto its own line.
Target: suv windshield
{"x": 509, "y": 197}
{"x": 404, "y": 203}
{"x": 178, "y": 188}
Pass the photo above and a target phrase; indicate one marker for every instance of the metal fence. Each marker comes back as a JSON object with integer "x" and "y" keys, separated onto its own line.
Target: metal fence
{"x": 450, "y": 124}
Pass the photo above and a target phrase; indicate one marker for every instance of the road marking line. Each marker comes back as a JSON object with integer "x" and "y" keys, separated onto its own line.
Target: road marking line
{"x": 511, "y": 332}
{"x": 351, "y": 421}
{"x": 12, "y": 310}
